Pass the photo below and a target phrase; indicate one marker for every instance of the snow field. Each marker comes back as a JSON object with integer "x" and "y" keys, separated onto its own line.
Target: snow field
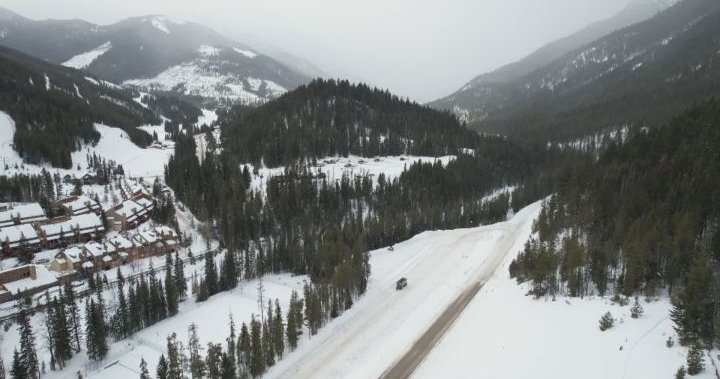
{"x": 114, "y": 145}
{"x": 505, "y": 334}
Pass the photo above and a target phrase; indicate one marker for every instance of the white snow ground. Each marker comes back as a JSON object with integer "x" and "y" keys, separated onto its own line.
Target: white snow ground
{"x": 504, "y": 334}
{"x": 85, "y": 59}
{"x": 114, "y": 144}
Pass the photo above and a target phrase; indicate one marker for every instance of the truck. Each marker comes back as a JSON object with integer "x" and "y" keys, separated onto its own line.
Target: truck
{"x": 400, "y": 284}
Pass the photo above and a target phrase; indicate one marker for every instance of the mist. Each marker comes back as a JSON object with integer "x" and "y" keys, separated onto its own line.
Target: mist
{"x": 418, "y": 49}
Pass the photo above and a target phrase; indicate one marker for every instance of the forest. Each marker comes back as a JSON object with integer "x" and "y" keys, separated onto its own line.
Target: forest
{"x": 328, "y": 118}
{"x": 641, "y": 220}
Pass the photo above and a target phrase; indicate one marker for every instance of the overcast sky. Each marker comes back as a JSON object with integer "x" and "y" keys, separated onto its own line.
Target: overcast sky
{"x": 417, "y": 48}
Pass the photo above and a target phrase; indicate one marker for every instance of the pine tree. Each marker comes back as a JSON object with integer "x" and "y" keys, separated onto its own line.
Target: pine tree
{"x": 179, "y": 274}
{"x": 197, "y": 365}
{"x": 257, "y": 362}
{"x": 2, "y": 369}
{"x": 606, "y": 321}
{"x": 213, "y": 361}
{"x": 73, "y": 316}
{"x": 211, "y": 276}
{"x": 175, "y": 358}
{"x": 171, "y": 297}
{"x": 267, "y": 344}
{"x": 231, "y": 348}
{"x": 18, "y": 369}
{"x": 244, "y": 349}
{"x": 695, "y": 360}
{"x": 637, "y": 310}
{"x": 680, "y": 373}
{"x": 227, "y": 365}
{"x": 291, "y": 330}
{"x": 144, "y": 373}
{"x": 28, "y": 353}
{"x": 278, "y": 331}
{"x": 162, "y": 369}
{"x": 90, "y": 340}
{"x": 62, "y": 340}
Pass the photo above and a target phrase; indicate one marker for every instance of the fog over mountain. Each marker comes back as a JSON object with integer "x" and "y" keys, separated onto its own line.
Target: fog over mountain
{"x": 402, "y": 45}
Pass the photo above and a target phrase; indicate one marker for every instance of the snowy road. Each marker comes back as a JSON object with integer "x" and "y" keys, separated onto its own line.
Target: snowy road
{"x": 396, "y": 329}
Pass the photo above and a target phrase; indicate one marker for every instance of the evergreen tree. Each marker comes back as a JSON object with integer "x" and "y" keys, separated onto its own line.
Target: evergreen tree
{"x": 211, "y": 276}
{"x": 171, "y": 297}
{"x": 179, "y": 274}
{"x": 28, "y": 353}
{"x": 73, "y": 316}
{"x": 278, "y": 331}
{"x": 244, "y": 349}
{"x": 606, "y": 321}
{"x": 695, "y": 360}
{"x": 213, "y": 361}
{"x": 2, "y": 369}
{"x": 174, "y": 358}
{"x": 197, "y": 365}
{"x": 18, "y": 369}
{"x": 257, "y": 361}
{"x": 144, "y": 373}
{"x": 228, "y": 370}
{"x": 637, "y": 310}
{"x": 680, "y": 373}
{"x": 291, "y": 330}
{"x": 162, "y": 369}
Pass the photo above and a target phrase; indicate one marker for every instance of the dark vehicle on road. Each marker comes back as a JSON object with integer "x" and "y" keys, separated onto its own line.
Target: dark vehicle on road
{"x": 400, "y": 284}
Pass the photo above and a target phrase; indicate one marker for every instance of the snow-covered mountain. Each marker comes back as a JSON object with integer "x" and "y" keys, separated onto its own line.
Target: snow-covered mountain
{"x": 155, "y": 53}
{"x": 642, "y": 74}
{"x": 480, "y": 96}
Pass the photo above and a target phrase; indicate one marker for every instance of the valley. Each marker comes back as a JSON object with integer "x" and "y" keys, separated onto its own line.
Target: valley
{"x": 176, "y": 203}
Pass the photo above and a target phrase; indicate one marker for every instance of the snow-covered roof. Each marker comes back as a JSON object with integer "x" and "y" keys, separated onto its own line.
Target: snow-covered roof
{"x": 80, "y": 204}
{"x": 95, "y": 249}
{"x": 121, "y": 242}
{"x": 82, "y": 223}
{"x": 74, "y": 254}
{"x": 107, "y": 258}
{"x": 148, "y": 235}
{"x": 131, "y": 210}
{"x": 25, "y": 212}
{"x": 88, "y": 264}
{"x": 15, "y": 234}
{"x": 165, "y": 231}
{"x": 43, "y": 277}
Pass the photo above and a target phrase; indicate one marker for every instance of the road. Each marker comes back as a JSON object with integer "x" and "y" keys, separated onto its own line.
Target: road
{"x": 388, "y": 333}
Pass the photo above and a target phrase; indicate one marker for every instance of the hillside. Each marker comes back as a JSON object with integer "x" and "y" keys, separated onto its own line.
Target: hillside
{"x": 473, "y": 101}
{"x": 154, "y": 53}
{"x": 55, "y": 109}
{"x": 643, "y": 74}
{"x": 328, "y": 118}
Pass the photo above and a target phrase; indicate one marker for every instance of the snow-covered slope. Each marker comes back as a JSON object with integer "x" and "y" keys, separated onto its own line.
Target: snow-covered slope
{"x": 156, "y": 53}
{"x": 215, "y": 73}
{"x": 83, "y": 60}
{"x": 114, "y": 145}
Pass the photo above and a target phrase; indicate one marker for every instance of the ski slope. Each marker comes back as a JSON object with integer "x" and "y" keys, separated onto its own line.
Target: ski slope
{"x": 114, "y": 144}
{"x": 384, "y": 323}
